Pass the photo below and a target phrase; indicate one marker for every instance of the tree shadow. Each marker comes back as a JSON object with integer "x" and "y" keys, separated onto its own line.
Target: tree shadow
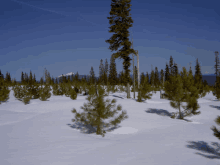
{"x": 118, "y": 96}
{"x": 88, "y": 129}
{"x": 163, "y": 112}
{"x": 211, "y": 152}
{"x": 160, "y": 112}
{"x": 213, "y": 106}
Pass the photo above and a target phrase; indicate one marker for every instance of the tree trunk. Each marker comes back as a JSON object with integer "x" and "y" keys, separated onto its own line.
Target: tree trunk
{"x": 138, "y": 69}
{"x": 128, "y": 91}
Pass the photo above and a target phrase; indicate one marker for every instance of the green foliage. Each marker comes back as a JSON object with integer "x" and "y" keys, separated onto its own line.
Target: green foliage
{"x": 144, "y": 91}
{"x": 18, "y": 92}
{"x": 22, "y": 93}
{"x": 73, "y": 94}
{"x": 4, "y": 91}
{"x": 113, "y": 80}
{"x": 120, "y": 38}
{"x": 215, "y": 130}
{"x": 180, "y": 89}
{"x": 68, "y": 90}
{"x": 97, "y": 110}
{"x": 45, "y": 93}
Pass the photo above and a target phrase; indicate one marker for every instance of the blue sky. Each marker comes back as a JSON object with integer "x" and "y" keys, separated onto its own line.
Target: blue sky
{"x": 69, "y": 35}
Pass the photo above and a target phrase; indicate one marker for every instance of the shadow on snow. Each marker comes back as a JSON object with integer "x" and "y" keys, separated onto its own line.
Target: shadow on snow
{"x": 163, "y": 112}
{"x": 210, "y": 152}
{"x": 213, "y": 106}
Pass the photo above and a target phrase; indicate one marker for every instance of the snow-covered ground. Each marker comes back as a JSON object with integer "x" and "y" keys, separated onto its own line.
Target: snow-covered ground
{"x": 42, "y": 133}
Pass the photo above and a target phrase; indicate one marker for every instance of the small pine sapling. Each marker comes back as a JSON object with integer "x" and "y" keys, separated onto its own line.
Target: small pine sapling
{"x": 215, "y": 130}
{"x": 97, "y": 110}
{"x": 45, "y": 93}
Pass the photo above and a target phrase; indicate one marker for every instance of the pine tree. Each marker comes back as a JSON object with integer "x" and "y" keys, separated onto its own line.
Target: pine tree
{"x": 76, "y": 76}
{"x": 45, "y": 93}
{"x": 167, "y": 73}
{"x": 41, "y": 81}
{"x": 4, "y": 91}
{"x": 175, "y": 68}
{"x": 97, "y": 110}
{"x": 152, "y": 78}
{"x": 171, "y": 68}
{"x": 144, "y": 91}
{"x": 156, "y": 78}
{"x": 198, "y": 80}
{"x": 30, "y": 79}
{"x": 142, "y": 78}
{"x": 101, "y": 72}
{"x": 34, "y": 79}
{"x": 106, "y": 71}
{"x": 147, "y": 78}
{"x": 92, "y": 76}
{"x": 215, "y": 130}
{"x": 180, "y": 89}
{"x": 120, "y": 22}
{"x": 22, "y": 78}
{"x": 162, "y": 77}
{"x": 113, "y": 80}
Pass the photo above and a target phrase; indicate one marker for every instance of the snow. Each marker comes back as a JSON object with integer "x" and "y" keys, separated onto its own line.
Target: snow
{"x": 42, "y": 133}
{"x": 68, "y": 74}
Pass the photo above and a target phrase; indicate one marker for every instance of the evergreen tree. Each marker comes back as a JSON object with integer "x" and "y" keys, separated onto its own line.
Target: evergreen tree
{"x": 156, "y": 78}
{"x": 152, "y": 77}
{"x": 144, "y": 91}
{"x": 106, "y": 71}
{"x": 215, "y": 130}
{"x": 175, "y": 68}
{"x": 72, "y": 78}
{"x": 198, "y": 80}
{"x": 1, "y": 75}
{"x": 22, "y": 78}
{"x": 97, "y": 110}
{"x": 4, "y": 91}
{"x": 92, "y": 76}
{"x": 76, "y": 76}
{"x": 167, "y": 73}
{"x": 120, "y": 22}
{"x": 161, "y": 77}
{"x": 34, "y": 79}
{"x": 30, "y": 79}
{"x": 41, "y": 81}
{"x": 113, "y": 80}
{"x": 147, "y": 78}
{"x": 45, "y": 93}
{"x": 101, "y": 72}
{"x": 178, "y": 93}
{"x": 171, "y": 66}
{"x": 142, "y": 78}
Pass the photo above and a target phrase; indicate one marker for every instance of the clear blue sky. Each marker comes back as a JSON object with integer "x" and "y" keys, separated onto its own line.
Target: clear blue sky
{"x": 69, "y": 35}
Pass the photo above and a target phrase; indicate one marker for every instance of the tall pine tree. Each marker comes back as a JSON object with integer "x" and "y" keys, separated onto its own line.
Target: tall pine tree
{"x": 198, "y": 80}
{"x": 120, "y": 22}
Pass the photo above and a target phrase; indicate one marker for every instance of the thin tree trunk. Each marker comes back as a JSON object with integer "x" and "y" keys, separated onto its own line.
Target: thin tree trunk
{"x": 138, "y": 69}
{"x": 128, "y": 91}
